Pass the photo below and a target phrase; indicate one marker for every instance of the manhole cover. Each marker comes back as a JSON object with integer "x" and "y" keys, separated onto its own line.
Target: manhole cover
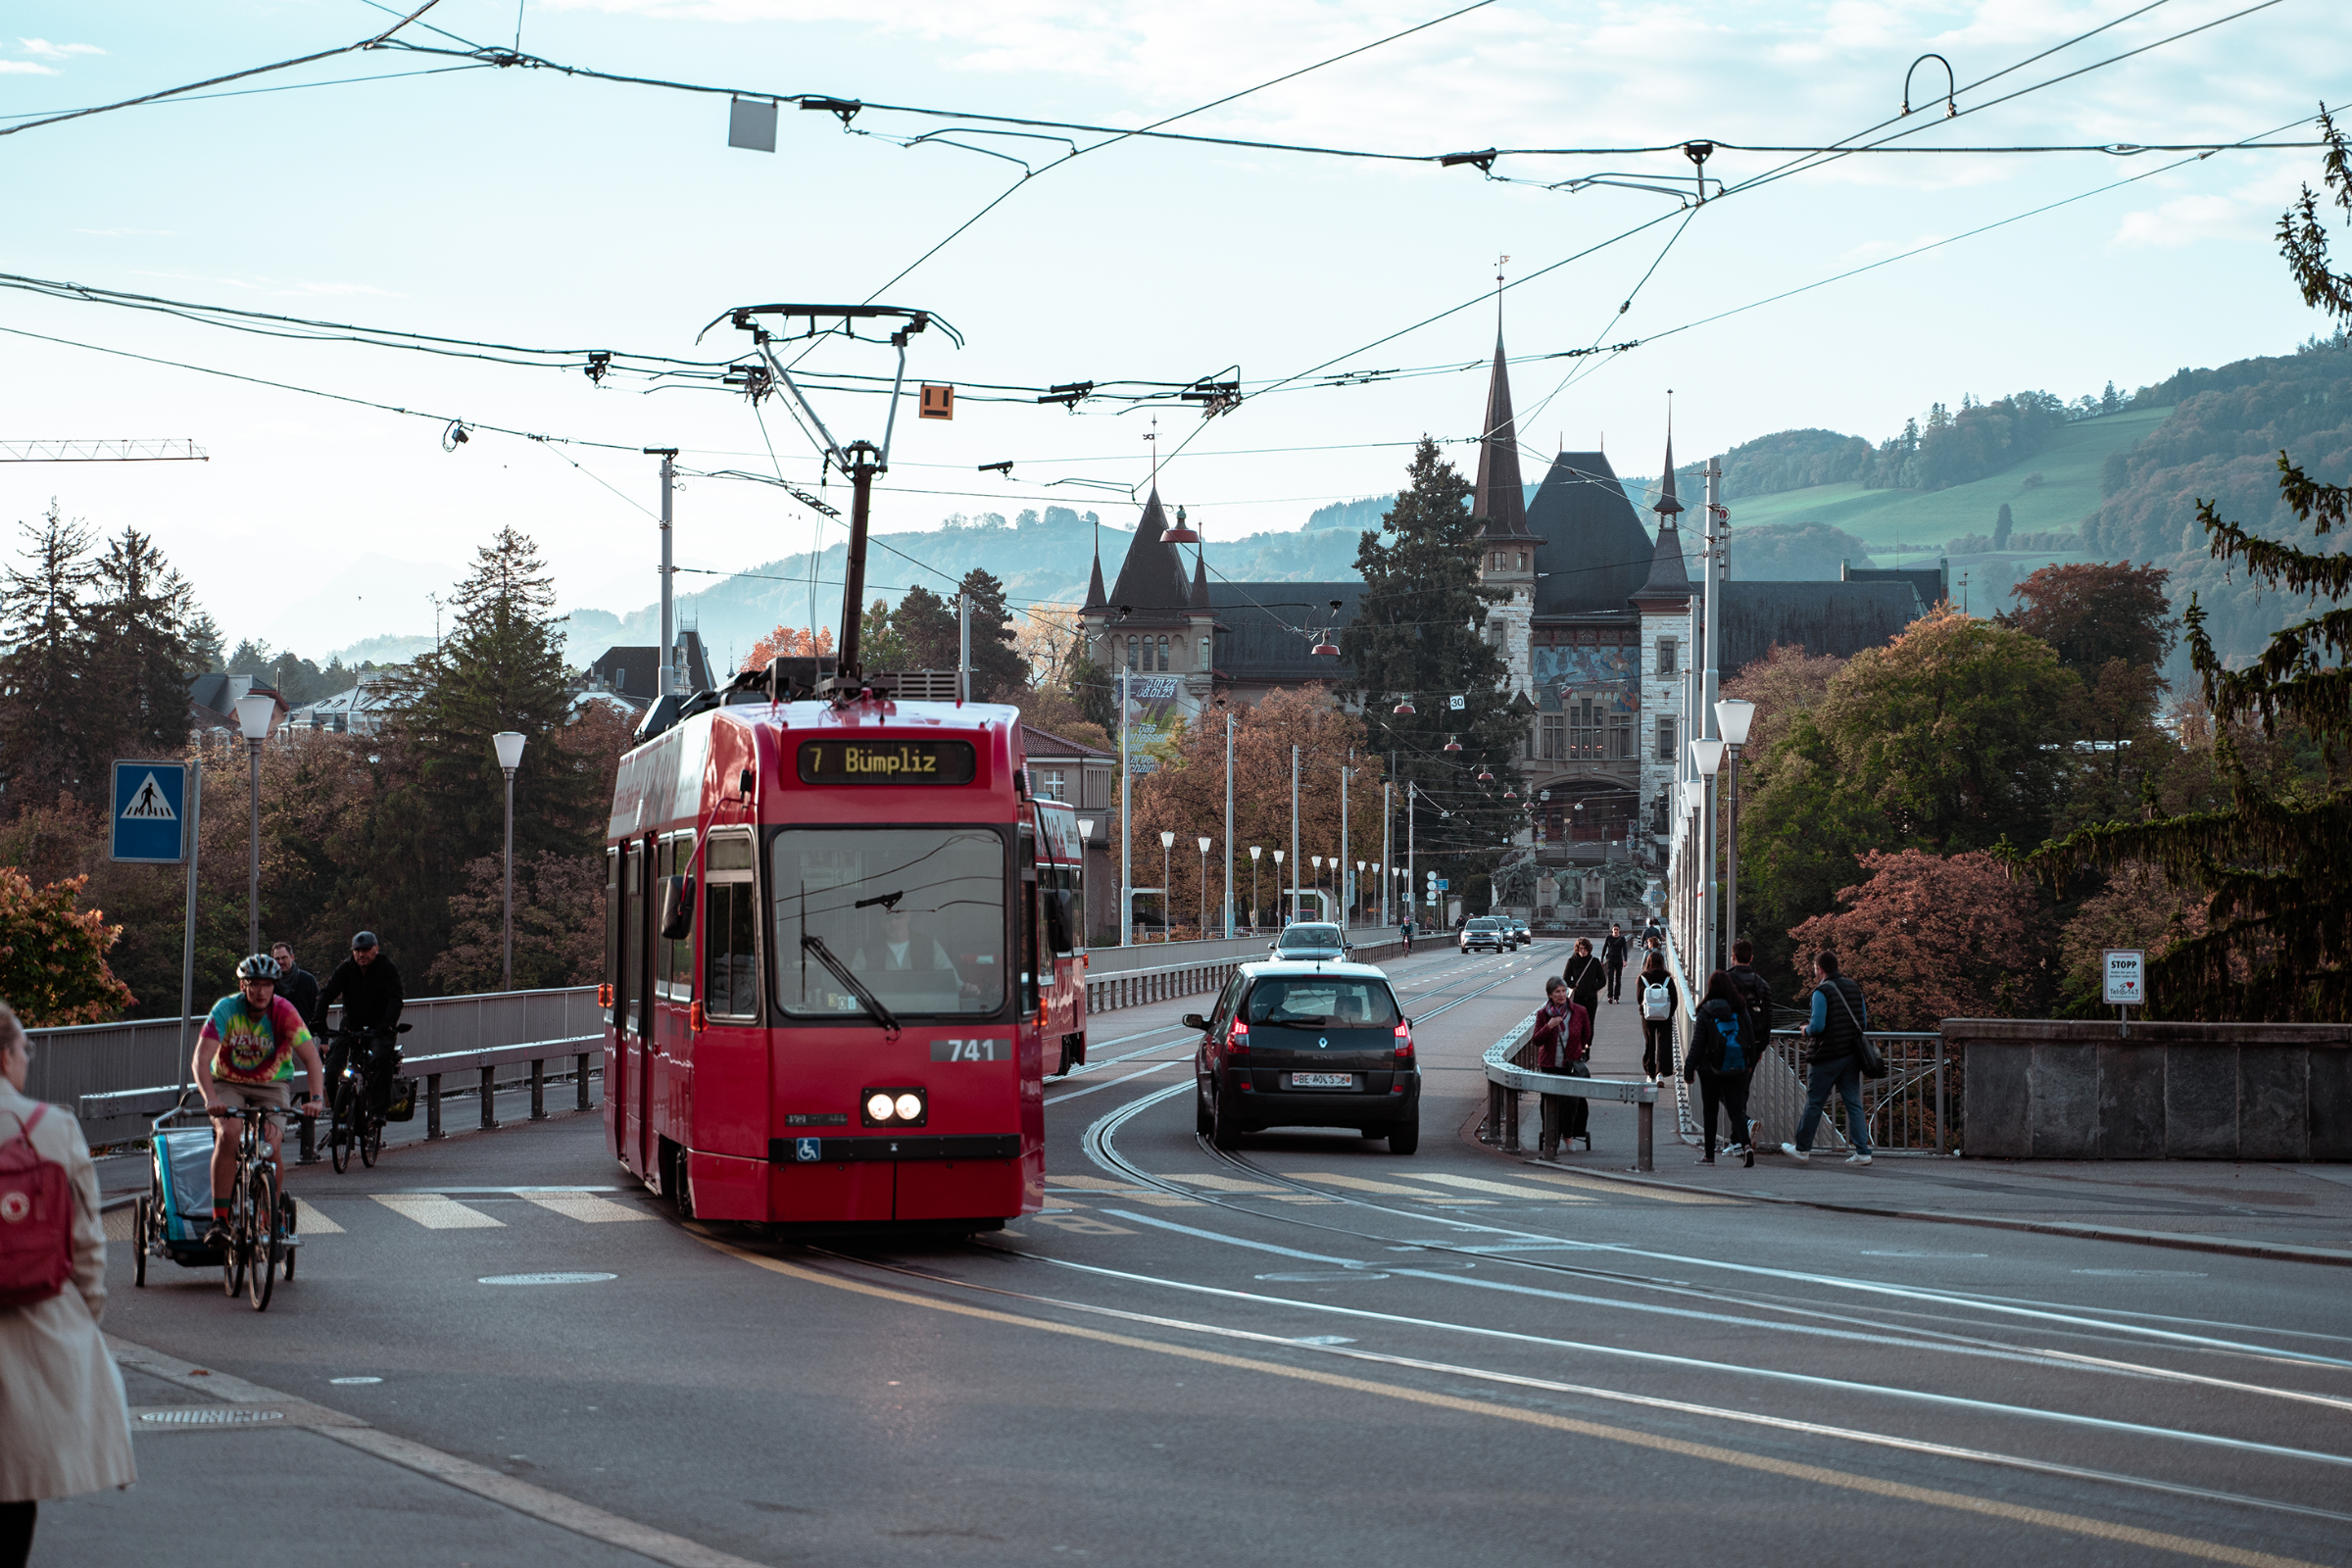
{"x": 210, "y": 1417}
{"x": 545, "y": 1279}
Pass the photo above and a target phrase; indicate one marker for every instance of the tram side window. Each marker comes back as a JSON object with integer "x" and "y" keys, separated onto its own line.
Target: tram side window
{"x": 674, "y": 961}
{"x": 730, "y": 962}
{"x": 616, "y": 1006}
{"x": 631, "y": 984}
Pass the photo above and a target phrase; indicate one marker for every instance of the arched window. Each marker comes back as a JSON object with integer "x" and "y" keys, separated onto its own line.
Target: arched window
{"x": 1163, "y": 652}
{"x": 1131, "y": 653}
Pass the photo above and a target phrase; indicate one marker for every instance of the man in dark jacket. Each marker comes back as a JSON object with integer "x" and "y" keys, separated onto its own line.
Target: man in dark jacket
{"x": 1834, "y": 1058}
{"x": 1753, "y": 986}
{"x": 1612, "y": 958}
{"x": 369, "y": 987}
{"x": 296, "y": 984}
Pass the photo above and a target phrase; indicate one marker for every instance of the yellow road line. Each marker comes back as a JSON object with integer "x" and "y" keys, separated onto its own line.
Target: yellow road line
{"x": 1820, "y": 1475}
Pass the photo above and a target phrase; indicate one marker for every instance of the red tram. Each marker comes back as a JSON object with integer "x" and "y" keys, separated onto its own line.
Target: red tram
{"x": 843, "y": 950}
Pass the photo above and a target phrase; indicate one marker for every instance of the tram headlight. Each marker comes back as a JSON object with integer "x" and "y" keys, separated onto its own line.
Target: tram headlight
{"x": 895, "y": 1108}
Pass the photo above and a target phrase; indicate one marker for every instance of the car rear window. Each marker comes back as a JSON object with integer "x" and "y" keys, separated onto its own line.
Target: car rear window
{"x": 1311, "y": 936}
{"x": 1486, "y": 925}
{"x": 1317, "y": 1002}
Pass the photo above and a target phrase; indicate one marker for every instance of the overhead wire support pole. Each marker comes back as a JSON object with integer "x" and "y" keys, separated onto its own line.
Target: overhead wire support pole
{"x": 669, "y": 457}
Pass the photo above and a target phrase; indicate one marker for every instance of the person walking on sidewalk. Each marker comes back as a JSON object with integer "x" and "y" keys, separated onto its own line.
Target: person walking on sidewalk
{"x": 63, "y": 1426}
{"x": 1612, "y": 958}
{"x": 1586, "y": 975}
{"x": 1724, "y": 1042}
{"x": 1654, "y": 988}
{"x": 1834, "y": 1058}
{"x": 1563, "y": 1041}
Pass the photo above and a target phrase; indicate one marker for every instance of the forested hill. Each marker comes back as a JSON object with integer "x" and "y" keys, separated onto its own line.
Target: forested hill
{"x": 2220, "y": 442}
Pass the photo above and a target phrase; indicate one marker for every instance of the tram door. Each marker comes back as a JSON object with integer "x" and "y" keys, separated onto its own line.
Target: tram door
{"x": 636, "y": 1009}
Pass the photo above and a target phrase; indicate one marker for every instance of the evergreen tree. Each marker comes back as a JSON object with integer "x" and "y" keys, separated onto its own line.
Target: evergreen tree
{"x": 502, "y": 667}
{"x": 1418, "y": 633}
{"x": 44, "y": 654}
{"x": 926, "y": 627}
{"x": 1093, "y": 687}
{"x": 141, "y": 650}
{"x": 2003, "y": 526}
{"x": 999, "y": 671}
{"x": 879, "y": 646}
{"x": 2276, "y": 863}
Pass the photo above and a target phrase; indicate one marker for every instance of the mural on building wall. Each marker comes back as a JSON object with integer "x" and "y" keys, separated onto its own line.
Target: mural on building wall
{"x": 1610, "y": 675}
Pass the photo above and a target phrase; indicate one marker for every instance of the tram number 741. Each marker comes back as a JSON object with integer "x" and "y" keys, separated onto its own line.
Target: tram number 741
{"x": 971, "y": 1051}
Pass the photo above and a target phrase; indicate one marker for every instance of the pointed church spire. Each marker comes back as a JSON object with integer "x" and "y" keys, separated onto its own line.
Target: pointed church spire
{"x": 1500, "y": 496}
{"x": 1200, "y": 601}
{"x": 1094, "y": 585}
{"x": 1668, "y": 504}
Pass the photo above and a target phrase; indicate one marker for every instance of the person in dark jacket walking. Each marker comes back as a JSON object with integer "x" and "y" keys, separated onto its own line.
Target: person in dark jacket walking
{"x": 1612, "y": 958}
{"x": 1656, "y": 994}
{"x": 296, "y": 984}
{"x": 1753, "y": 986}
{"x": 369, "y": 987}
{"x": 1724, "y": 1042}
{"x": 1586, "y": 975}
{"x": 1834, "y": 1058}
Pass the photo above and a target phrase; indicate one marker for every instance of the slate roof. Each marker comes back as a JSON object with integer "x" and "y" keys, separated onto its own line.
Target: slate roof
{"x": 1151, "y": 577}
{"x": 213, "y": 699}
{"x": 1669, "y": 583}
{"x": 635, "y": 671}
{"x": 1499, "y": 496}
{"x": 1836, "y": 619}
{"x": 1036, "y": 741}
{"x": 1591, "y": 545}
{"x": 1934, "y": 584}
{"x": 1260, "y": 636}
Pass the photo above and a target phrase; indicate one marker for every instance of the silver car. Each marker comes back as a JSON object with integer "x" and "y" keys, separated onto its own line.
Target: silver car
{"x": 1311, "y": 943}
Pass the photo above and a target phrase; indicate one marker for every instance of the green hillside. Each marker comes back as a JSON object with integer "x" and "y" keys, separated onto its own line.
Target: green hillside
{"x": 1912, "y": 526}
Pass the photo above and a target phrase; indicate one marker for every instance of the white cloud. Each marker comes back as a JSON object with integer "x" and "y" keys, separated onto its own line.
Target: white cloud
{"x": 129, "y": 233}
{"x": 24, "y": 68}
{"x": 57, "y": 51}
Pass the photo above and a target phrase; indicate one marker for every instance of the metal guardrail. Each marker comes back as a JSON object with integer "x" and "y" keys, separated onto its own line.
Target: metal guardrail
{"x": 1507, "y": 1079}
{"x": 1136, "y": 988}
{"x": 109, "y": 1066}
{"x": 1913, "y": 1109}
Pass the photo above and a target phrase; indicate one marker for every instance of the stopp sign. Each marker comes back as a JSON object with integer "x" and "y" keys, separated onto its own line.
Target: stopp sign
{"x": 2127, "y": 980}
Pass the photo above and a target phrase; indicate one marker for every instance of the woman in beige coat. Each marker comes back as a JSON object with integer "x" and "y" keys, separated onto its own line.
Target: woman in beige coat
{"x": 63, "y": 1426}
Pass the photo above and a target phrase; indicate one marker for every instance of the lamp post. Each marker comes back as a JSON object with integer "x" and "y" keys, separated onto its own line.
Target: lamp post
{"x": 1226, "y": 901}
{"x": 1204, "y": 887}
{"x": 1167, "y": 926}
{"x": 509, "y": 743}
{"x": 1317, "y": 883}
{"x": 256, "y": 713}
{"x": 1283, "y": 921}
{"x": 1255, "y": 850}
{"x": 1733, "y": 716}
{"x": 1707, "y": 754}
{"x": 1085, "y": 841}
{"x": 1359, "y": 881}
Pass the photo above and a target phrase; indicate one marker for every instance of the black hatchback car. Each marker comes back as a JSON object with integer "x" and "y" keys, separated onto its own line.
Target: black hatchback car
{"x": 1308, "y": 1045}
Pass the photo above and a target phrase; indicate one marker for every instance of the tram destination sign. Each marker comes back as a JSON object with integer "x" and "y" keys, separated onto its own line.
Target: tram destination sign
{"x": 888, "y": 761}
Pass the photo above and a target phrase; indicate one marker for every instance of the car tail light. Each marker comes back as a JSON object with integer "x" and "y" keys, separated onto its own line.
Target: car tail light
{"x": 1405, "y": 1042}
{"x": 1236, "y": 1043}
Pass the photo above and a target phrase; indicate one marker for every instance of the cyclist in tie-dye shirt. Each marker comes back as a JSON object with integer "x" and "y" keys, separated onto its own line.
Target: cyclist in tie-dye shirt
{"x": 245, "y": 1057}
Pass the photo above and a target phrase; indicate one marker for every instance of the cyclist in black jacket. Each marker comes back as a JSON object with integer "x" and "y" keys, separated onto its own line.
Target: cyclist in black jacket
{"x": 369, "y": 987}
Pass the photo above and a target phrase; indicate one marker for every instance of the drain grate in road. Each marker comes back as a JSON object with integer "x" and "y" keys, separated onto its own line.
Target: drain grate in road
{"x": 210, "y": 1417}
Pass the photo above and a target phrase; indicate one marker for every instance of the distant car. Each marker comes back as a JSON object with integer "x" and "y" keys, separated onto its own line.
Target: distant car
{"x": 1295, "y": 1044}
{"x": 1488, "y": 932}
{"x": 1307, "y": 942}
{"x": 1527, "y": 938}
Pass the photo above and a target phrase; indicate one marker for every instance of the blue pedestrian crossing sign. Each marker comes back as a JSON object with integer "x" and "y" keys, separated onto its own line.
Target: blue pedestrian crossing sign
{"x": 151, "y": 813}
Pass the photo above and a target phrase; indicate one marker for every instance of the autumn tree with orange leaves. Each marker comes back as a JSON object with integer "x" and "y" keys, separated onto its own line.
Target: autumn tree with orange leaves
{"x": 53, "y": 954}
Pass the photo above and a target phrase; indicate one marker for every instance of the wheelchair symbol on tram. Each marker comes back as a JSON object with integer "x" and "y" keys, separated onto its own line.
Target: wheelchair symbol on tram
{"x": 808, "y": 1148}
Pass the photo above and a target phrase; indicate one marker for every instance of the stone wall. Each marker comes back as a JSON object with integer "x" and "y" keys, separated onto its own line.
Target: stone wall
{"x": 2047, "y": 1090}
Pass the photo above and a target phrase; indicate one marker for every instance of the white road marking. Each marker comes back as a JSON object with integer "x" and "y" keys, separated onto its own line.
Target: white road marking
{"x": 308, "y": 1221}
{"x": 1478, "y": 1184}
{"x": 437, "y": 1213}
{"x": 586, "y": 1207}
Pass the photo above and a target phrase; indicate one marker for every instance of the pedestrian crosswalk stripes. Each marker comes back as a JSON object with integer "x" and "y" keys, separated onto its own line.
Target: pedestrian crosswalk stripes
{"x": 308, "y": 1221}
{"x": 1477, "y": 1184}
{"x": 586, "y": 1207}
{"x": 437, "y": 1213}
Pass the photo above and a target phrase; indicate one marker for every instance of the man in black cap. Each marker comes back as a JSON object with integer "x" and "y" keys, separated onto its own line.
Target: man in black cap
{"x": 369, "y": 987}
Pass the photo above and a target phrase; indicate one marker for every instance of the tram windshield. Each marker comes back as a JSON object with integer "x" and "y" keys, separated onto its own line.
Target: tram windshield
{"x": 914, "y": 915}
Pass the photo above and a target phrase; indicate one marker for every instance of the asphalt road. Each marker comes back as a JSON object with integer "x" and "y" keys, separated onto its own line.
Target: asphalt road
{"x": 1309, "y": 1350}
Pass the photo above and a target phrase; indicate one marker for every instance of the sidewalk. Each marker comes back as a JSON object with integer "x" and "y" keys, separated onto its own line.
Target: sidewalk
{"x": 2301, "y": 1212}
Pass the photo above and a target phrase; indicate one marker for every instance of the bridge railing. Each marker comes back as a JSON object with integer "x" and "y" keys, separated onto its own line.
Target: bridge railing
{"x": 1507, "y": 1078}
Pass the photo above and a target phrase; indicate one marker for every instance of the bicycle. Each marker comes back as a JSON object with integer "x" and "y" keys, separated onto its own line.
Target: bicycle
{"x": 355, "y": 1122}
{"x": 261, "y": 1216}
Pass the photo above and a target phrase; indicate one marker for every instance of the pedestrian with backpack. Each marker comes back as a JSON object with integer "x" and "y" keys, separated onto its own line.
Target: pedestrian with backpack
{"x": 1834, "y": 1049}
{"x": 65, "y": 1427}
{"x": 1724, "y": 1043}
{"x": 1654, "y": 988}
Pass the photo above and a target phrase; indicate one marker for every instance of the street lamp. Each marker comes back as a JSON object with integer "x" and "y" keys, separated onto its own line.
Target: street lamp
{"x": 1167, "y": 926}
{"x": 1279, "y": 924}
{"x": 509, "y": 743}
{"x": 1317, "y": 882}
{"x": 1204, "y": 887}
{"x": 1359, "y": 879}
{"x": 1255, "y": 850}
{"x": 256, "y": 713}
{"x": 1733, "y": 716}
{"x": 1707, "y": 755}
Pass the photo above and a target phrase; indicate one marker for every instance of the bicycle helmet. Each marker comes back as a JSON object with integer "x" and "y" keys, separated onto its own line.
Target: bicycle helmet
{"x": 260, "y": 966}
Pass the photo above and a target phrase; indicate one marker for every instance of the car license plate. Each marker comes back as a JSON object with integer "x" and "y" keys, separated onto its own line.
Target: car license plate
{"x": 1322, "y": 1080}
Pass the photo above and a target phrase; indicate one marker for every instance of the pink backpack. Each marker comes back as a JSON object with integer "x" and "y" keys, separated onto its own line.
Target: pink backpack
{"x": 37, "y": 1221}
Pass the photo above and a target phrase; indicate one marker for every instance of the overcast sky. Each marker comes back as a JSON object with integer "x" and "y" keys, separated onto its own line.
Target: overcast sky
{"x": 526, "y": 207}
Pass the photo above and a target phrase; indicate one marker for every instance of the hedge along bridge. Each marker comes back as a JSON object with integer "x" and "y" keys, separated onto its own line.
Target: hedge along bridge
{"x": 121, "y": 1075}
